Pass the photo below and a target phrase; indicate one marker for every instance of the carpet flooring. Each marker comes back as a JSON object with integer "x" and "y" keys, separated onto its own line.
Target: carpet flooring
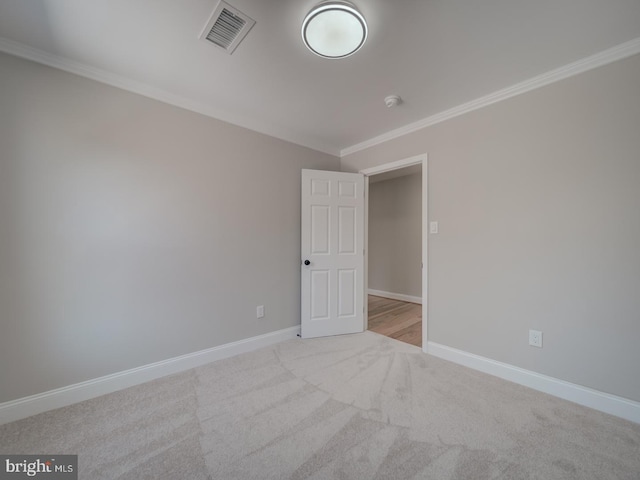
{"x": 349, "y": 407}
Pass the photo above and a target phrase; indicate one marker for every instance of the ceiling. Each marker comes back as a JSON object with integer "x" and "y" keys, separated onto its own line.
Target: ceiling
{"x": 435, "y": 54}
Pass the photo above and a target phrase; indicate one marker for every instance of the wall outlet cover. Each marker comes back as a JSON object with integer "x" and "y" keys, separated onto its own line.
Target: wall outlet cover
{"x": 535, "y": 338}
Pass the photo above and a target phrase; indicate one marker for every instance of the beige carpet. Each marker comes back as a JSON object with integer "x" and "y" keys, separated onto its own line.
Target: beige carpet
{"x": 349, "y": 407}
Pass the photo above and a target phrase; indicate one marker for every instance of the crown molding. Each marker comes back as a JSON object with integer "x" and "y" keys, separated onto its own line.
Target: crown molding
{"x": 601, "y": 59}
{"x": 39, "y": 56}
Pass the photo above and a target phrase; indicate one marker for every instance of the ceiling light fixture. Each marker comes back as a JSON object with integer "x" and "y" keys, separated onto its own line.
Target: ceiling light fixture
{"x": 334, "y": 29}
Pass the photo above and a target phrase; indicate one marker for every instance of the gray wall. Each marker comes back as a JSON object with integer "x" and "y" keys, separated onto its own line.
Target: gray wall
{"x": 538, "y": 201}
{"x": 395, "y": 235}
{"x": 132, "y": 231}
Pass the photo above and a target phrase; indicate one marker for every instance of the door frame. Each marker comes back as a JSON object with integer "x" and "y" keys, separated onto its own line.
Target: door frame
{"x": 387, "y": 167}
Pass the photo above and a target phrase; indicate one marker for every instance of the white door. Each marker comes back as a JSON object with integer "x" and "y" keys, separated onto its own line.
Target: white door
{"x": 332, "y": 253}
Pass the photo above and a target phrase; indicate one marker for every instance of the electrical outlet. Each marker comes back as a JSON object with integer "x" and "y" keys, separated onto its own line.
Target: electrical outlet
{"x": 260, "y": 311}
{"x": 535, "y": 338}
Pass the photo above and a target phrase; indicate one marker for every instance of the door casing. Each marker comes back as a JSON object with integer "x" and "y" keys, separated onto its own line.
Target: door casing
{"x": 387, "y": 167}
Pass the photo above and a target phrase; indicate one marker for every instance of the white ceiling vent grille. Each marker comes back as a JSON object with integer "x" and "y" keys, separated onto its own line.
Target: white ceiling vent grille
{"x": 227, "y": 27}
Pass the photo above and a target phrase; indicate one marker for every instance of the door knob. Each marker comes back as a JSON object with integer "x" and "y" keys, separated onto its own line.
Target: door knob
{"x": 307, "y": 262}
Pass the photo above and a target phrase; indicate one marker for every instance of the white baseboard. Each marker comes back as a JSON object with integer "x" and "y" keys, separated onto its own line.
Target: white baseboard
{"x": 61, "y": 397}
{"x": 395, "y": 296}
{"x": 604, "y": 402}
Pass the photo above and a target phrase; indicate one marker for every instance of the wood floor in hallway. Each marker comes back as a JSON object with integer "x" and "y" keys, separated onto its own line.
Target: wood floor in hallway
{"x": 396, "y": 319}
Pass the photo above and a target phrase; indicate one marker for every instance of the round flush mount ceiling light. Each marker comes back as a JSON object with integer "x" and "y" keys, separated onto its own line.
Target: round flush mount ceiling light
{"x": 334, "y": 29}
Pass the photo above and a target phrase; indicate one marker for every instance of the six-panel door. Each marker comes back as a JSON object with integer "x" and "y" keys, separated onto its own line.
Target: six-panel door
{"x": 333, "y": 244}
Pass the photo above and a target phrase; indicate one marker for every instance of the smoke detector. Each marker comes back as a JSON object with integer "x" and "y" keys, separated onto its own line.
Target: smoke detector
{"x": 392, "y": 101}
{"x": 226, "y": 27}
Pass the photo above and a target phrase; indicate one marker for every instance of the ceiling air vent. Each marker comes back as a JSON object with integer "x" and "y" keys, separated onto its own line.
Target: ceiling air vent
{"x": 227, "y": 27}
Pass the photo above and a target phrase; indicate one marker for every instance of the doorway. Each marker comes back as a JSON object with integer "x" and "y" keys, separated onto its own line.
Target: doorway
{"x": 402, "y": 316}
